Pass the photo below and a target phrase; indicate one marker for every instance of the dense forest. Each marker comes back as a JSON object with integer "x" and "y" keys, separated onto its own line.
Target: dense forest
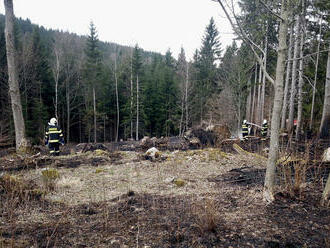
{"x": 102, "y": 91}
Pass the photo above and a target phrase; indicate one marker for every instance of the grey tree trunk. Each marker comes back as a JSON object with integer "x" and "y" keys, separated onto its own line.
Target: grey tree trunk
{"x": 14, "y": 92}
{"x": 137, "y": 107}
{"x": 117, "y": 98}
{"x": 258, "y": 119}
{"x": 186, "y": 95}
{"x": 301, "y": 74}
{"x": 248, "y": 104}
{"x": 325, "y": 121}
{"x": 131, "y": 110}
{"x": 287, "y": 80}
{"x": 252, "y": 119}
{"x": 264, "y": 79}
{"x": 56, "y": 74}
{"x": 294, "y": 76}
{"x": 278, "y": 100}
{"x": 94, "y": 111}
{"x": 315, "y": 75}
{"x": 67, "y": 112}
{"x": 326, "y": 192}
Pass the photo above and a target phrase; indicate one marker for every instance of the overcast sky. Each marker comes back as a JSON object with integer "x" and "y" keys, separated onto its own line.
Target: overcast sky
{"x": 156, "y": 25}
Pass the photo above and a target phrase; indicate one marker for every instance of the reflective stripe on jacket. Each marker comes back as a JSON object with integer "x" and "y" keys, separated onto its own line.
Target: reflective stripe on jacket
{"x": 264, "y": 129}
{"x": 245, "y": 129}
{"x": 54, "y": 134}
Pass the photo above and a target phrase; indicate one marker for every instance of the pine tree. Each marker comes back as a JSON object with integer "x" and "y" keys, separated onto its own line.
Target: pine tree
{"x": 92, "y": 68}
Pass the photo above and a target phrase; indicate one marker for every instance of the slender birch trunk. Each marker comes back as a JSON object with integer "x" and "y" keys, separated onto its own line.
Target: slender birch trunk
{"x": 94, "y": 111}
{"x": 294, "y": 76}
{"x": 287, "y": 80}
{"x": 325, "y": 121}
{"x": 278, "y": 100}
{"x": 254, "y": 95}
{"x": 301, "y": 73}
{"x": 326, "y": 192}
{"x": 67, "y": 112}
{"x": 248, "y": 104}
{"x": 315, "y": 75}
{"x": 117, "y": 99}
{"x": 186, "y": 95}
{"x": 131, "y": 113}
{"x": 14, "y": 92}
{"x": 56, "y": 72}
{"x": 258, "y": 120}
{"x": 264, "y": 79}
{"x": 137, "y": 107}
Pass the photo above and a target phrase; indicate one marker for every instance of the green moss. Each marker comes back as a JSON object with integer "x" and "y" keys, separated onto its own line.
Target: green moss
{"x": 179, "y": 182}
{"x": 99, "y": 170}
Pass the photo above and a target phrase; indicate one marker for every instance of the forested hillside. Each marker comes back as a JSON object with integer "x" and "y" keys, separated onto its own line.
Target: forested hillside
{"x": 102, "y": 91}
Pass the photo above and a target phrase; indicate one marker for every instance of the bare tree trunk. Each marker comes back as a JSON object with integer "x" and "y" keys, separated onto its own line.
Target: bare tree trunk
{"x": 94, "y": 111}
{"x": 287, "y": 80}
{"x": 326, "y": 192}
{"x": 248, "y": 104}
{"x": 181, "y": 117}
{"x": 186, "y": 95}
{"x": 131, "y": 113}
{"x": 264, "y": 78}
{"x": 56, "y": 72}
{"x": 301, "y": 73}
{"x": 14, "y": 92}
{"x": 137, "y": 107}
{"x": 325, "y": 121}
{"x": 258, "y": 120}
{"x": 315, "y": 75}
{"x": 278, "y": 100}
{"x": 117, "y": 99}
{"x": 294, "y": 76}
{"x": 67, "y": 112}
{"x": 254, "y": 95}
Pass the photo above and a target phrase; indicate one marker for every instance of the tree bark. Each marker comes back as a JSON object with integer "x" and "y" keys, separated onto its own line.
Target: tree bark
{"x": 186, "y": 95}
{"x": 287, "y": 80}
{"x": 301, "y": 74}
{"x": 294, "y": 76}
{"x": 278, "y": 100}
{"x": 14, "y": 92}
{"x": 137, "y": 107}
{"x": 326, "y": 192}
{"x": 264, "y": 79}
{"x": 117, "y": 98}
{"x": 325, "y": 121}
{"x": 67, "y": 112}
{"x": 131, "y": 110}
{"x": 315, "y": 75}
{"x": 94, "y": 111}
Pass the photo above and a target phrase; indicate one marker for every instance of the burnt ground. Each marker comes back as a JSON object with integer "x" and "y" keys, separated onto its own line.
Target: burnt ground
{"x": 124, "y": 201}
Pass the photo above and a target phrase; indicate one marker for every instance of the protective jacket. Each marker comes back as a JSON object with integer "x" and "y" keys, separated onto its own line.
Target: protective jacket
{"x": 53, "y": 135}
{"x": 264, "y": 129}
{"x": 245, "y": 130}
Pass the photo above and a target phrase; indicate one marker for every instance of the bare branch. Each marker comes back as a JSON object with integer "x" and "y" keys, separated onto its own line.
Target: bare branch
{"x": 244, "y": 37}
{"x": 269, "y": 9}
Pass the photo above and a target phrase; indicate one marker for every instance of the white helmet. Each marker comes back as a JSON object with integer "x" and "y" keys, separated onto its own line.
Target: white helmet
{"x": 52, "y": 121}
{"x": 265, "y": 121}
{"x": 244, "y": 122}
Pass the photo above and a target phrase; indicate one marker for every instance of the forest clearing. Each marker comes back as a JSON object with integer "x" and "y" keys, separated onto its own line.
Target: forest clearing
{"x": 192, "y": 198}
{"x": 110, "y": 145}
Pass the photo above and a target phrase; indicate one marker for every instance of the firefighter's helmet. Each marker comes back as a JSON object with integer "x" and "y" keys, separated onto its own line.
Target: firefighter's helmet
{"x": 53, "y": 121}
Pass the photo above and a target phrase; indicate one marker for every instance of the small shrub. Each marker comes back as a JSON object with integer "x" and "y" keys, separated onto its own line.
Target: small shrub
{"x": 206, "y": 215}
{"x": 49, "y": 176}
{"x": 99, "y": 170}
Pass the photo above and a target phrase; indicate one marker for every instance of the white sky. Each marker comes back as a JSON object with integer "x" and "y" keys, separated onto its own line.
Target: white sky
{"x": 156, "y": 25}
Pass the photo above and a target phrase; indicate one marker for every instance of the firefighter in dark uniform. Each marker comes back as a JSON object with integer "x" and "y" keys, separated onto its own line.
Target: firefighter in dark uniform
{"x": 264, "y": 129}
{"x": 54, "y": 137}
{"x": 245, "y": 129}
